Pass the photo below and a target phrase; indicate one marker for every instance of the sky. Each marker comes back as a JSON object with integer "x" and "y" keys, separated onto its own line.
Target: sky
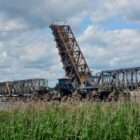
{"x": 108, "y": 33}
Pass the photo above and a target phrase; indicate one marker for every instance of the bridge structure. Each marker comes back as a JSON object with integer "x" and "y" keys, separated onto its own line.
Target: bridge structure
{"x": 77, "y": 69}
{"x": 73, "y": 60}
{"x": 21, "y": 87}
{"x": 125, "y": 79}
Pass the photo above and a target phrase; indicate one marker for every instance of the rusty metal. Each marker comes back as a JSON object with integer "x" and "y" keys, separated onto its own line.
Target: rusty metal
{"x": 74, "y": 63}
{"x": 21, "y": 87}
{"x": 76, "y": 68}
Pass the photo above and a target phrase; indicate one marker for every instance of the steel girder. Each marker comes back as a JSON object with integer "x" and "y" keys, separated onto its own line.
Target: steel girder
{"x": 125, "y": 79}
{"x": 23, "y": 86}
{"x": 74, "y": 63}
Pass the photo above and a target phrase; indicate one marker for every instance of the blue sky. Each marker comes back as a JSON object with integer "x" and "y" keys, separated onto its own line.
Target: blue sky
{"x": 108, "y": 32}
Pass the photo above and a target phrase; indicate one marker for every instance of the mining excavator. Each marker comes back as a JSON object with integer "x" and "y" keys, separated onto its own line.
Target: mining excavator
{"x": 78, "y": 74}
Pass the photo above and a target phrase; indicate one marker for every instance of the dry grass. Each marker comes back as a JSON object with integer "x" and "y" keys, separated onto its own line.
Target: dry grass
{"x": 72, "y": 120}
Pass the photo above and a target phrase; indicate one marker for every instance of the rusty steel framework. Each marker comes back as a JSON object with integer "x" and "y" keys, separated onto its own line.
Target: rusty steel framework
{"x": 74, "y": 63}
{"x": 21, "y": 87}
{"x": 125, "y": 79}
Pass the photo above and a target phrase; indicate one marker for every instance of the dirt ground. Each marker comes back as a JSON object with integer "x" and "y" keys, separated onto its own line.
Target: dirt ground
{"x": 8, "y": 105}
{"x": 135, "y": 96}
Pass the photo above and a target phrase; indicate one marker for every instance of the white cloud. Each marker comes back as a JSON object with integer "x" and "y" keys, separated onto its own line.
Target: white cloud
{"x": 104, "y": 10}
{"x": 7, "y": 25}
{"x": 111, "y": 49}
{"x": 30, "y": 55}
{"x": 27, "y": 48}
{"x": 1, "y": 44}
{"x": 39, "y": 14}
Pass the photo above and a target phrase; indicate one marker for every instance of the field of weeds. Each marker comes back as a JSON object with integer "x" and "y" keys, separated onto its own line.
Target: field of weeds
{"x": 77, "y": 121}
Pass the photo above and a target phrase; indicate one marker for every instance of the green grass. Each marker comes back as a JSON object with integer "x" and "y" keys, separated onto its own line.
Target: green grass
{"x": 72, "y": 122}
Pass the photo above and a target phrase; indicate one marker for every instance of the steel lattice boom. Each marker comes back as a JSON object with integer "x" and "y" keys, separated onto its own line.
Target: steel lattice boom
{"x": 74, "y": 63}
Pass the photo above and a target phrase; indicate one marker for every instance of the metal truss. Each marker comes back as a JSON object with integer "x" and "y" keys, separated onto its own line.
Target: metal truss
{"x": 125, "y": 79}
{"x": 23, "y": 87}
{"x": 74, "y": 63}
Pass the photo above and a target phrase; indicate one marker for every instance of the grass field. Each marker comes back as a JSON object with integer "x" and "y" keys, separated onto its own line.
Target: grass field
{"x": 79, "y": 121}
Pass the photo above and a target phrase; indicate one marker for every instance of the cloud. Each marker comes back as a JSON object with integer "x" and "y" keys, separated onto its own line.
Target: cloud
{"x": 30, "y": 54}
{"x": 27, "y": 48}
{"x": 126, "y": 10}
{"x": 110, "y": 49}
{"x": 39, "y": 14}
{"x": 8, "y": 25}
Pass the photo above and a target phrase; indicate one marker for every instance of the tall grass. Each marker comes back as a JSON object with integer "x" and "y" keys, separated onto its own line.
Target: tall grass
{"x": 72, "y": 122}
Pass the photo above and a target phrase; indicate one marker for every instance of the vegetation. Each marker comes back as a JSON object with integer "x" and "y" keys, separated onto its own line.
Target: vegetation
{"x": 55, "y": 88}
{"x": 81, "y": 121}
